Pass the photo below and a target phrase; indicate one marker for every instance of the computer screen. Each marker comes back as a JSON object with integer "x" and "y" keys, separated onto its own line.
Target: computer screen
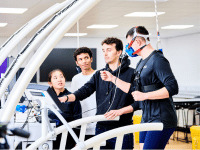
{"x": 63, "y": 59}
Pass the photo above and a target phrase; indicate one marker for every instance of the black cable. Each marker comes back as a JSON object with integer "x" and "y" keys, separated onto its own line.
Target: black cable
{"x": 115, "y": 84}
{"x": 26, "y": 119}
{"x": 12, "y": 36}
{"x": 26, "y": 98}
{"x": 28, "y": 116}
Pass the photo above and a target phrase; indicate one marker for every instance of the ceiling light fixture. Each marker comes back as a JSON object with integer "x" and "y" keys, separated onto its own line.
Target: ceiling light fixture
{"x": 102, "y": 26}
{"x": 145, "y": 0}
{"x": 75, "y": 34}
{"x": 13, "y": 10}
{"x": 177, "y": 26}
{"x": 143, "y": 14}
{"x": 3, "y": 24}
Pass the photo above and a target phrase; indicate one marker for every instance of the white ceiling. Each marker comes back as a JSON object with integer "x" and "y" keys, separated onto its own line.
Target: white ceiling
{"x": 178, "y": 12}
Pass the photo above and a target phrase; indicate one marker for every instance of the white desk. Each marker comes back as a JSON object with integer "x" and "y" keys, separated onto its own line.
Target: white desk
{"x": 186, "y": 100}
{"x": 186, "y": 103}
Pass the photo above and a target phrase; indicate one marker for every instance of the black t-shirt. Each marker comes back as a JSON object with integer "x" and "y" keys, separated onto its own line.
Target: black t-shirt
{"x": 157, "y": 70}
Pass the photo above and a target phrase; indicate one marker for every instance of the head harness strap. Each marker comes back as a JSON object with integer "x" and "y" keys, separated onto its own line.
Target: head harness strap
{"x": 137, "y": 35}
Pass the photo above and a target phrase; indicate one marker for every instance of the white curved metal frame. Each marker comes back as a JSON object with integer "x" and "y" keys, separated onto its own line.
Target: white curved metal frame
{"x": 119, "y": 133}
{"x": 33, "y": 42}
{"x": 62, "y": 25}
{"x": 95, "y": 141}
{"x": 63, "y": 129}
{"x": 40, "y": 56}
{"x": 8, "y": 46}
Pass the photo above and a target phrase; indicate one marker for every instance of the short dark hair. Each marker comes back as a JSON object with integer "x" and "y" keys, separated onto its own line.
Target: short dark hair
{"x": 82, "y": 50}
{"x": 116, "y": 41}
{"x": 140, "y": 30}
{"x": 50, "y": 74}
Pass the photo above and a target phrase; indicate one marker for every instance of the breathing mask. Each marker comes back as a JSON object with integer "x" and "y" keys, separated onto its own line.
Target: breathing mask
{"x": 129, "y": 50}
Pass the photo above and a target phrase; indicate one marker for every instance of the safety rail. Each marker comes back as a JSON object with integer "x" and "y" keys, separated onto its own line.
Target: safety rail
{"x": 62, "y": 129}
{"x": 96, "y": 141}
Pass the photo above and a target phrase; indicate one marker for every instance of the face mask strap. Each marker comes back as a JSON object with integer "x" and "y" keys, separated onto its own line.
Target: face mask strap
{"x": 144, "y": 36}
{"x": 129, "y": 45}
{"x": 137, "y": 51}
{"x": 134, "y": 36}
{"x": 133, "y": 39}
{"x": 140, "y": 35}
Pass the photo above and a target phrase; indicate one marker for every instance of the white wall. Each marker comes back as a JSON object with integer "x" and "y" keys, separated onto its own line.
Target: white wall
{"x": 184, "y": 56}
{"x": 182, "y": 53}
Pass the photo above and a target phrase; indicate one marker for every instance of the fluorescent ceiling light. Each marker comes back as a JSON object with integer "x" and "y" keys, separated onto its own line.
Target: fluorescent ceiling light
{"x": 177, "y": 26}
{"x": 3, "y": 24}
{"x": 13, "y": 10}
{"x": 143, "y": 14}
{"x": 75, "y": 34}
{"x": 102, "y": 26}
{"x": 145, "y": 0}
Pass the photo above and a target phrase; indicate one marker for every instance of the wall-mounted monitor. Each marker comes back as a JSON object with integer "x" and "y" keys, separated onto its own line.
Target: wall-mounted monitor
{"x": 63, "y": 59}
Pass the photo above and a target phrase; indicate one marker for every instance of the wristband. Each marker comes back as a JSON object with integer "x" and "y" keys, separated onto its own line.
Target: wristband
{"x": 67, "y": 99}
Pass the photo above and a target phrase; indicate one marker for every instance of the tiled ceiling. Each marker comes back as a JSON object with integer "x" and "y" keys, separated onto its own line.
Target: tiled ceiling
{"x": 177, "y": 12}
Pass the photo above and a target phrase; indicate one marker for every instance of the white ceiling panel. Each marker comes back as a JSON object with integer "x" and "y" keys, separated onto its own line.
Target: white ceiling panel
{"x": 19, "y": 3}
{"x": 112, "y": 12}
